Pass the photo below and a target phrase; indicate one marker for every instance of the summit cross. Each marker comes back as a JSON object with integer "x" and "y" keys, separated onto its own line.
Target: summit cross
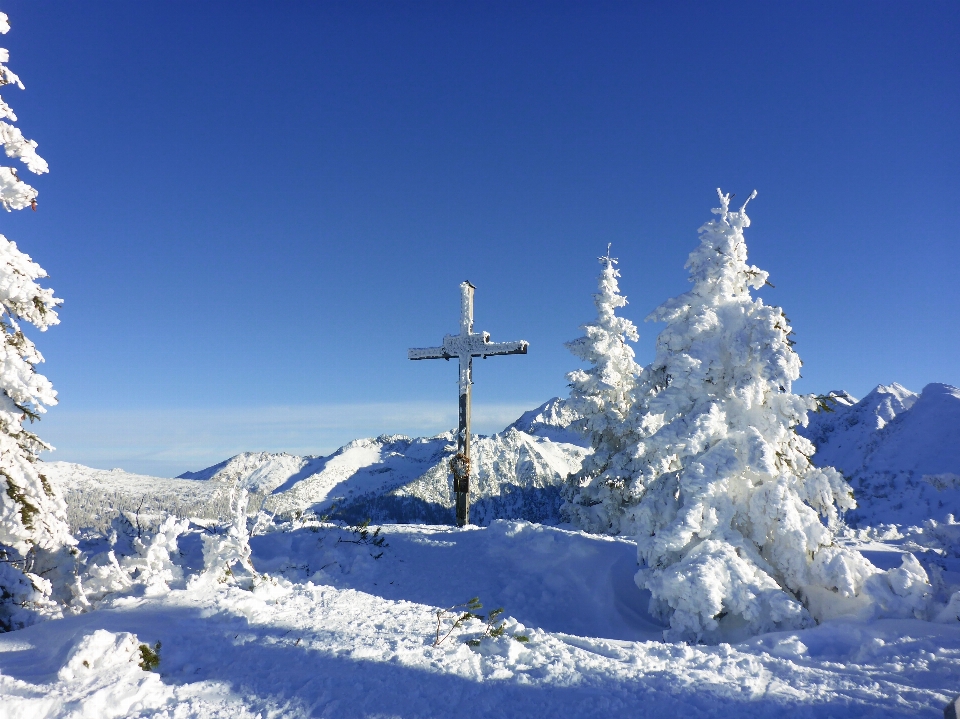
{"x": 465, "y": 346}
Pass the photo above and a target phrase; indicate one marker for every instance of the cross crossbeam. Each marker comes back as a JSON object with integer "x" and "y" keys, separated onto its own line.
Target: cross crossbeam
{"x": 464, "y": 347}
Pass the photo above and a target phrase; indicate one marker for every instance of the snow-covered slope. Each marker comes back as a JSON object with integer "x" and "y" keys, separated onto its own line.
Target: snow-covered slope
{"x": 332, "y": 632}
{"x": 900, "y": 450}
{"x": 96, "y": 496}
{"x": 517, "y": 474}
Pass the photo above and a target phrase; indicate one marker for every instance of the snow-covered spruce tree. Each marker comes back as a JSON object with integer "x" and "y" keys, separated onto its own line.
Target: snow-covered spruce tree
{"x": 33, "y": 528}
{"x": 602, "y": 397}
{"x": 733, "y": 522}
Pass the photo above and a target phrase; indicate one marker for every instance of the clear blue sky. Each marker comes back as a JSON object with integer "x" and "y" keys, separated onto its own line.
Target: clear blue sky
{"x": 254, "y": 209}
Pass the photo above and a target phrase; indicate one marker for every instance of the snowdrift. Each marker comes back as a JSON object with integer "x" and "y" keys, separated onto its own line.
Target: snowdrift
{"x": 332, "y": 631}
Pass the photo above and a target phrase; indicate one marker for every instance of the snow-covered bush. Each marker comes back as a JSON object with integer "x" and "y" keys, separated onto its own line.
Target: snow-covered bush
{"x": 227, "y": 554}
{"x": 733, "y": 522}
{"x": 144, "y": 564}
{"x": 34, "y": 537}
{"x": 151, "y": 565}
{"x": 602, "y": 396}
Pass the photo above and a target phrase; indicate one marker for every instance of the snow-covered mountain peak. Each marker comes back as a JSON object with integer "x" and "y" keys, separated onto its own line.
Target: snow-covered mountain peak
{"x": 925, "y": 439}
{"x": 845, "y": 433}
{"x": 887, "y": 401}
{"x": 842, "y": 398}
{"x": 258, "y": 472}
{"x": 887, "y": 443}
{"x": 551, "y": 420}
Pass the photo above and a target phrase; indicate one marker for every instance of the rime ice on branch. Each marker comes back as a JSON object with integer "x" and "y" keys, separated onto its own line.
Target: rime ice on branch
{"x": 33, "y": 525}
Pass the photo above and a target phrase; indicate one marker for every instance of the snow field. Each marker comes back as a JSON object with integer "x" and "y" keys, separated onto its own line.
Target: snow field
{"x": 355, "y": 639}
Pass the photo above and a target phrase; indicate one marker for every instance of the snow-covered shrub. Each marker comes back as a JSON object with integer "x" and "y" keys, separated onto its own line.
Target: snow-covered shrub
{"x": 227, "y": 554}
{"x": 34, "y": 537}
{"x": 151, "y": 565}
{"x": 144, "y": 564}
{"x": 951, "y": 612}
{"x": 602, "y": 396}
{"x": 733, "y": 522}
{"x": 100, "y": 578}
{"x": 901, "y": 592}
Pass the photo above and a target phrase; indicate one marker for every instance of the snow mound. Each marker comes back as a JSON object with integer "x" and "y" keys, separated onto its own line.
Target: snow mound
{"x": 900, "y": 450}
{"x": 101, "y": 678}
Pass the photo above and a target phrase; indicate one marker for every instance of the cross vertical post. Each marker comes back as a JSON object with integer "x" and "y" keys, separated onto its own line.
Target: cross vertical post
{"x": 465, "y": 346}
{"x": 460, "y": 465}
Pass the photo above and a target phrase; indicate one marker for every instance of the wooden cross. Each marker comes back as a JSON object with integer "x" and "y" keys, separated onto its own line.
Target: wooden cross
{"x": 465, "y": 346}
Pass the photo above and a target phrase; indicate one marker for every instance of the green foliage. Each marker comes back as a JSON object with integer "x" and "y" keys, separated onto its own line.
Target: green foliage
{"x": 363, "y": 536}
{"x": 326, "y": 517}
{"x": 825, "y": 403}
{"x": 27, "y": 510}
{"x": 492, "y": 629}
{"x": 459, "y": 614}
{"x": 45, "y": 483}
{"x": 149, "y": 658}
{"x": 310, "y": 519}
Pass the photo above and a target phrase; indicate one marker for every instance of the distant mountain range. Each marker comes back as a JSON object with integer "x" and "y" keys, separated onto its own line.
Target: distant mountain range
{"x": 900, "y": 450}
{"x": 517, "y": 473}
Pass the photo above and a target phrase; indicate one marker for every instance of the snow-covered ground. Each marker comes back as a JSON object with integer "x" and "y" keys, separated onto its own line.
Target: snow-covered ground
{"x": 337, "y": 624}
{"x": 334, "y": 632}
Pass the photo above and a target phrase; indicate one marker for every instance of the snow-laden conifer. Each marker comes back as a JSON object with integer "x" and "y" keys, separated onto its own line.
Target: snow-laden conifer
{"x": 733, "y": 522}
{"x": 33, "y": 528}
{"x": 602, "y": 396}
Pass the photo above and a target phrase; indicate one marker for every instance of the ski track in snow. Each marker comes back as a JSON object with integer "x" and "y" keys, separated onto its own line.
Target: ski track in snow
{"x": 349, "y": 643}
